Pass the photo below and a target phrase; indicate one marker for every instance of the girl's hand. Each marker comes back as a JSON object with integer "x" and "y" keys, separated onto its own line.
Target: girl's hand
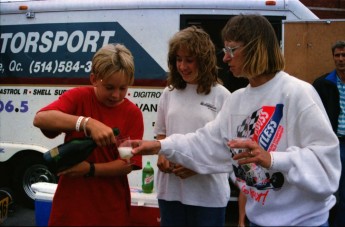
{"x": 164, "y": 165}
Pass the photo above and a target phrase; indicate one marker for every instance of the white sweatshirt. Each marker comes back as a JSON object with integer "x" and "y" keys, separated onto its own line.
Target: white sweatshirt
{"x": 184, "y": 111}
{"x": 291, "y": 122}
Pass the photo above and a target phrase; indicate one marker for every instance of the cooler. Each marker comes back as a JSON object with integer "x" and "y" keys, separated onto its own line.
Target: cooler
{"x": 44, "y": 193}
{"x": 144, "y": 207}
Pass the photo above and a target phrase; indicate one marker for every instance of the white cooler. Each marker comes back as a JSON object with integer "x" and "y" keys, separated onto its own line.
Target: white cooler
{"x": 144, "y": 207}
{"x": 44, "y": 193}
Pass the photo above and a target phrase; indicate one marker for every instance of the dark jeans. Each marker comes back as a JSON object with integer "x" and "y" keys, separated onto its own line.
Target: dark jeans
{"x": 339, "y": 219}
{"x": 323, "y": 225}
{"x": 174, "y": 213}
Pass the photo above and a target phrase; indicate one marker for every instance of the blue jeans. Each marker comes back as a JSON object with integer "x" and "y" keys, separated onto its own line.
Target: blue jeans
{"x": 174, "y": 213}
{"x": 339, "y": 219}
{"x": 323, "y": 225}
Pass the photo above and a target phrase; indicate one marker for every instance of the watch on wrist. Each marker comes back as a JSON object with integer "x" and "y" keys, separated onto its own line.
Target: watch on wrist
{"x": 91, "y": 172}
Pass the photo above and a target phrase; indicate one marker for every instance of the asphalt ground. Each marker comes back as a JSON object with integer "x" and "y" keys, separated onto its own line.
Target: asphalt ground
{"x": 20, "y": 216}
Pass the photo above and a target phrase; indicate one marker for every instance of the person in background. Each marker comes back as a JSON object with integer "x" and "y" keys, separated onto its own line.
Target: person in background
{"x": 242, "y": 209}
{"x": 193, "y": 96}
{"x": 290, "y": 166}
{"x": 331, "y": 88}
{"x": 241, "y": 203}
{"x": 96, "y": 192}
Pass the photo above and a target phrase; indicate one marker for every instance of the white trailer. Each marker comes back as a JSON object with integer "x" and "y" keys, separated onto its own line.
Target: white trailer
{"x": 46, "y": 48}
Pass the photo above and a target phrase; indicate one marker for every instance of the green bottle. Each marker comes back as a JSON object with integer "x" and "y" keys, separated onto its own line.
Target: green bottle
{"x": 71, "y": 153}
{"x": 148, "y": 178}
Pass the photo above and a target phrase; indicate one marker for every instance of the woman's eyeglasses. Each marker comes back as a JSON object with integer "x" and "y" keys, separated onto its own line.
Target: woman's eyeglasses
{"x": 230, "y": 50}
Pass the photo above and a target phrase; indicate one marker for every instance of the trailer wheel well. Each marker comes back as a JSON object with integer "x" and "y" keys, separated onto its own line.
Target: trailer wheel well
{"x": 29, "y": 167}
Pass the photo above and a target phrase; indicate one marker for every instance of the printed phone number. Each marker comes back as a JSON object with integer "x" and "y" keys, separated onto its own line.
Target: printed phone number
{"x": 59, "y": 67}
{"x": 10, "y": 107}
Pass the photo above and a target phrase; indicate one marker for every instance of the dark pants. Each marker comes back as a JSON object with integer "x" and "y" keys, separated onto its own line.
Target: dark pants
{"x": 323, "y": 225}
{"x": 339, "y": 219}
{"x": 174, "y": 213}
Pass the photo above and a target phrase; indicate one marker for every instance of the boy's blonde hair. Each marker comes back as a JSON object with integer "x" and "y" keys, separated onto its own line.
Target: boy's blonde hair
{"x": 113, "y": 58}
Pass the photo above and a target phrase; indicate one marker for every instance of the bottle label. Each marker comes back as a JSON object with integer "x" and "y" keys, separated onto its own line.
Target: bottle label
{"x": 54, "y": 152}
{"x": 148, "y": 179}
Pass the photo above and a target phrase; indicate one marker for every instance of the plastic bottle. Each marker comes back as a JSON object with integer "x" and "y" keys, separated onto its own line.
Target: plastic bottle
{"x": 70, "y": 153}
{"x": 148, "y": 178}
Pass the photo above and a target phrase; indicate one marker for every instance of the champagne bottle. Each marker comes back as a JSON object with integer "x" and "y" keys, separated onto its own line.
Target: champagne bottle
{"x": 148, "y": 178}
{"x": 71, "y": 153}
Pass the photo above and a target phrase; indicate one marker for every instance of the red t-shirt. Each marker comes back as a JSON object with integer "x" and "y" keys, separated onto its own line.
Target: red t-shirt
{"x": 96, "y": 201}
